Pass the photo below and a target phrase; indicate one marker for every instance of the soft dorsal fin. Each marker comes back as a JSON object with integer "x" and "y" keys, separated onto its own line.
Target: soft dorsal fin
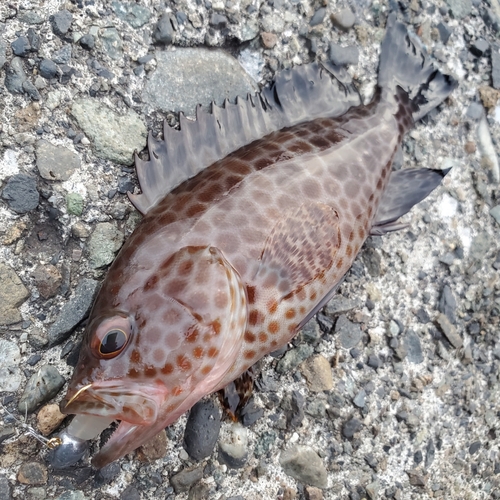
{"x": 297, "y": 95}
{"x": 406, "y": 188}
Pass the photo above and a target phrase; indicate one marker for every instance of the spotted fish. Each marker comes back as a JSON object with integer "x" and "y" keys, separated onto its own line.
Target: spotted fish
{"x": 253, "y": 213}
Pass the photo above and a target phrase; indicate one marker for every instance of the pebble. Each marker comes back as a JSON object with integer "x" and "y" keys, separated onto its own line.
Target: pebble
{"x": 87, "y": 41}
{"x": 33, "y": 473}
{"x": 344, "y": 19}
{"x": 460, "y": 8}
{"x": 48, "y": 69}
{"x": 112, "y": 42}
{"x": 343, "y": 56}
{"x": 73, "y": 311}
{"x": 61, "y": 22}
{"x": 55, "y": 163}
{"x": 341, "y": 305}
{"x": 15, "y": 76}
{"x": 373, "y": 361}
{"x": 265, "y": 443}
{"x": 184, "y": 479}
{"x": 5, "y": 492}
{"x": 80, "y": 230}
{"x": 74, "y": 204}
{"x": 430, "y": 454}
{"x": 479, "y": 47}
{"x": 304, "y": 464}
{"x": 202, "y": 429}
{"x": 105, "y": 241}
{"x": 349, "y": 333}
{"x": 115, "y": 137}
{"x": 43, "y": 385}
{"x": 206, "y": 77}
{"x": 351, "y": 427}
{"x": 444, "y": 32}
{"x": 21, "y": 193}
{"x": 268, "y": 40}
{"x": 414, "y": 348}
{"x": 12, "y": 294}
{"x": 313, "y": 493}
{"x": 449, "y": 331}
{"x": 31, "y": 91}
{"x": 75, "y": 495}
{"x": 495, "y": 66}
{"x": 10, "y": 373}
{"x": 294, "y": 410}
{"x": 233, "y": 447}
{"x": 495, "y": 213}
{"x": 107, "y": 474}
{"x": 293, "y": 358}
{"x": 21, "y": 46}
{"x": 318, "y": 17}
{"x": 447, "y": 304}
{"x": 360, "y": 399}
{"x": 251, "y": 413}
{"x": 164, "y": 31}
{"x": 134, "y": 14}
{"x": 218, "y": 21}
{"x": 63, "y": 55}
{"x": 48, "y": 279}
{"x": 475, "y": 110}
{"x": 154, "y": 449}
{"x": 318, "y": 373}
{"x": 474, "y": 447}
{"x": 49, "y": 418}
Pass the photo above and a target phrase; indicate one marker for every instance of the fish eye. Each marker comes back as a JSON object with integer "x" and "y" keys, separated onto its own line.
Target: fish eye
{"x": 113, "y": 343}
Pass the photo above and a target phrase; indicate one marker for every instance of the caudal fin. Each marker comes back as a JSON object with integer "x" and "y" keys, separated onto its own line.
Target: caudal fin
{"x": 404, "y": 63}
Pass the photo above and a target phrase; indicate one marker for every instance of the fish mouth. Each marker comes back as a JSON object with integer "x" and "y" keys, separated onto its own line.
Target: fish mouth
{"x": 137, "y": 408}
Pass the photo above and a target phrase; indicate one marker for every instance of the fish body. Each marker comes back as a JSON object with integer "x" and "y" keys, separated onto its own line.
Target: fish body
{"x": 231, "y": 263}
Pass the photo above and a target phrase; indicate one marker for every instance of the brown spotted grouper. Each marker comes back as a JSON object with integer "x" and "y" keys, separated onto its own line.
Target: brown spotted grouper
{"x": 252, "y": 216}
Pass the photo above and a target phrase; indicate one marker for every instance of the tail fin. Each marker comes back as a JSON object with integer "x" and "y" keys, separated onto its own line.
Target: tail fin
{"x": 404, "y": 63}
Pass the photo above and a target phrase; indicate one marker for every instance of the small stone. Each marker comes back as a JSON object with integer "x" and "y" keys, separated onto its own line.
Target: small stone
{"x": 251, "y": 413}
{"x": 449, "y": 331}
{"x": 34, "y": 39}
{"x": 154, "y": 449}
{"x": 21, "y": 193}
{"x": 495, "y": 66}
{"x": 202, "y": 430}
{"x": 372, "y": 490}
{"x": 495, "y": 213}
{"x": 61, "y": 22}
{"x": 74, "y": 203}
{"x": 313, "y": 493}
{"x": 293, "y": 358}
{"x": 15, "y": 76}
{"x": 341, "y": 305}
{"x": 479, "y": 47}
{"x": 343, "y": 56}
{"x": 295, "y": 411}
{"x": 470, "y": 147}
{"x": 318, "y": 374}
{"x": 489, "y": 96}
{"x": 63, "y": 55}
{"x": 43, "y": 385}
{"x": 80, "y": 230}
{"x": 49, "y": 418}
{"x": 360, "y": 399}
{"x": 265, "y": 443}
{"x": 14, "y": 233}
{"x": 21, "y": 46}
{"x": 218, "y": 21}
{"x": 233, "y": 448}
{"x": 414, "y": 347}
{"x": 184, "y": 479}
{"x": 164, "y": 31}
{"x": 304, "y": 464}
{"x": 318, "y": 17}
{"x": 5, "y": 492}
{"x": 344, "y": 19}
{"x": 78, "y": 495}
{"x": 134, "y": 14}
{"x": 12, "y": 294}
{"x": 10, "y": 374}
{"x": 460, "y": 8}
{"x": 48, "y": 279}
{"x": 351, "y": 427}
{"x": 105, "y": 241}
{"x": 417, "y": 479}
{"x": 448, "y": 304}
{"x": 33, "y": 473}
{"x": 350, "y": 333}
{"x": 112, "y": 42}
{"x": 87, "y": 41}
{"x": 475, "y": 110}
{"x": 430, "y": 453}
{"x": 474, "y": 447}
{"x": 444, "y": 33}
{"x": 31, "y": 91}
{"x": 73, "y": 311}
{"x": 268, "y": 40}
{"x": 107, "y": 474}
{"x": 373, "y": 361}
{"x": 55, "y": 163}
{"x": 48, "y": 69}
{"x": 6, "y": 432}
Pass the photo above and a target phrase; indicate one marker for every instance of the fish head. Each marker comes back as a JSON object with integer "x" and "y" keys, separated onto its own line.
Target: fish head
{"x": 151, "y": 354}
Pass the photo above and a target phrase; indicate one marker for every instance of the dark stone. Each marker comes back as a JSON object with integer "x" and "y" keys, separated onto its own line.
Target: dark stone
{"x": 373, "y": 361}
{"x": 5, "y": 492}
{"x": 48, "y": 69}
{"x": 202, "y": 430}
{"x": 43, "y": 385}
{"x": 251, "y": 413}
{"x": 34, "y": 359}
{"x": 422, "y": 316}
{"x": 318, "y": 17}
{"x": 444, "y": 32}
{"x": 295, "y": 414}
{"x": 63, "y": 55}
{"x": 34, "y": 39}
{"x": 475, "y": 111}
{"x": 350, "y": 333}
{"x": 21, "y": 193}
{"x": 15, "y": 76}
{"x": 125, "y": 184}
{"x": 474, "y": 447}
{"x": 164, "y": 31}
{"x": 183, "y": 480}
{"x": 130, "y": 493}
{"x": 418, "y": 457}
{"x": 447, "y": 304}
{"x": 479, "y": 47}
{"x": 107, "y": 474}
{"x": 61, "y": 22}
{"x": 6, "y": 432}
{"x": 343, "y": 56}
{"x": 87, "y": 41}
{"x": 414, "y": 348}
{"x": 351, "y": 427}
{"x": 31, "y": 90}
{"x": 430, "y": 453}
{"x": 218, "y": 21}
{"x": 474, "y": 328}
{"x": 21, "y": 46}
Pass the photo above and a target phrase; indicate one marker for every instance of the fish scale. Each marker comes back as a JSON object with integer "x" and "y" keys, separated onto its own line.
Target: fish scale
{"x": 235, "y": 255}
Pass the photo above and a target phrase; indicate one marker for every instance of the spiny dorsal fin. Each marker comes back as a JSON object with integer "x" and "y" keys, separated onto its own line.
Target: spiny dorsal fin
{"x": 297, "y": 95}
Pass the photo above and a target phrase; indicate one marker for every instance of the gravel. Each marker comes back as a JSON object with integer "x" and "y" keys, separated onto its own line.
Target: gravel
{"x": 411, "y": 337}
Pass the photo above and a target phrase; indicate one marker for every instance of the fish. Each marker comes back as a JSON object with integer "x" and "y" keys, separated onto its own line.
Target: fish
{"x": 253, "y": 214}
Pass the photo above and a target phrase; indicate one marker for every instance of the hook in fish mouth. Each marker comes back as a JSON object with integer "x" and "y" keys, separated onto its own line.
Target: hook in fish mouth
{"x": 75, "y": 396}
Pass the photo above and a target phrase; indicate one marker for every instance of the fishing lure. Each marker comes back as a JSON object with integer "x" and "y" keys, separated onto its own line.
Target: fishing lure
{"x": 252, "y": 215}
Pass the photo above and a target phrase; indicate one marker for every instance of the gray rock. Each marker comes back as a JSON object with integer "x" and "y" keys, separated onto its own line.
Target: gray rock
{"x": 34, "y": 40}
{"x": 430, "y": 453}
{"x": 444, "y": 32}
{"x": 495, "y": 66}
{"x": 5, "y": 491}
{"x": 12, "y": 294}
{"x": 264, "y": 444}
{"x": 304, "y": 464}
{"x": 48, "y": 69}
{"x": 449, "y": 331}
{"x": 73, "y": 311}
{"x": 293, "y": 358}
{"x": 21, "y": 193}
{"x": 74, "y": 495}
{"x": 475, "y": 110}
{"x": 295, "y": 410}
{"x": 130, "y": 493}
{"x": 447, "y": 304}
{"x": 31, "y": 91}
{"x": 15, "y": 76}
{"x": 63, "y": 55}
{"x": 349, "y": 333}
{"x": 360, "y": 399}
{"x": 105, "y": 241}
{"x": 318, "y": 17}
{"x": 343, "y": 56}
{"x": 495, "y": 213}
{"x": 460, "y": 8}
{"x": 341, "y": 305}
{"x": 3, "y": 48}
{"x": 373, "y": 361}
{"x": 372, "y": 261}
{"x": 273, "y": 23}
{"x": 21, "y": 46}
{"x": 351, "y": 427}
{"x": 61, "y": 22}
{"x": 233, "y": 448}
{"x": 10, "y": 374}
{"x": 414, "y": 347}
{"x": 115, "y": 136}
{"x": 87, "y": 41}
{"x": 164, "y": 31}
{"x": 479, "y": 47}
{"x": 134, "y": 14}
{"x": 55, "y": 163}
{"x": 33, "y": 473}
{"x": 202, "y": 430}
{"x": 184, "y": 479}
{"x": 344, "y": 19}
{"x": 481, "y": 245}
{"x": 41, "y": 387}
{"x": 187, "y": 77}
{"x": 30, "y": 17}
{"x": 218, "y": 21}
{"x": 112, "y": 42}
